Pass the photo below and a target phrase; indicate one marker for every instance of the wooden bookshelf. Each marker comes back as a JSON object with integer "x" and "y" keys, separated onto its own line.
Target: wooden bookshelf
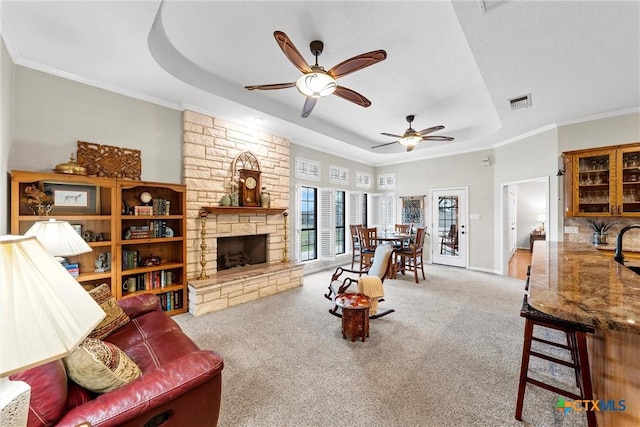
{"x": 106, "y": 215}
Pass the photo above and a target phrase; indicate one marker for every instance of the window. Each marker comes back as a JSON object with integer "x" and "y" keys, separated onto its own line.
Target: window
{"x": 363, "y": 180}
{"x": 365, "y": 209}
{"x": 387, "y": 181}
{"x": 382, "y": 210}
{"x": 309, "y": 229}
{"x": 323, "y": 215}
{"x": 307, "y": 169}
{"x": 340, "y": 222}
{"x": 338, "y": 175}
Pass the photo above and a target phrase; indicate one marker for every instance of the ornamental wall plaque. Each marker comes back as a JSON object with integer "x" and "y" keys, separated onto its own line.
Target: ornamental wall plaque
{"x": 109, "y": 161}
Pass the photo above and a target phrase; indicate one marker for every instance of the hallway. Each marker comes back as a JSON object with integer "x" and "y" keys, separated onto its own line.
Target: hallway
{"x": 518, "y": 264}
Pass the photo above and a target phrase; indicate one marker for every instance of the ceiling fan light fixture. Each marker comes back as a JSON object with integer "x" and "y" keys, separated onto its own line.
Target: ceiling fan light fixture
{"x": 316, "y": 84}
{"x": 410, "y": 140}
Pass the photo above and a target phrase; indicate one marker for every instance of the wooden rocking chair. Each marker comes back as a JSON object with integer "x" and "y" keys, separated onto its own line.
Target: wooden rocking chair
{"x": 380, "y": 267}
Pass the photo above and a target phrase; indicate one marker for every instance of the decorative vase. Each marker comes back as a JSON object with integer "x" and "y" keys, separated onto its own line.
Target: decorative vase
{"x": 234, "y": 199}
{"x": 265, "y": 199}
{"x": 225, "y": 200}
{"x": 599, "y": 238}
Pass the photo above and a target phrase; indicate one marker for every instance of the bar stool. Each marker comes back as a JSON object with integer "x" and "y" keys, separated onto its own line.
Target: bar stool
{"x": 576, "y": 345}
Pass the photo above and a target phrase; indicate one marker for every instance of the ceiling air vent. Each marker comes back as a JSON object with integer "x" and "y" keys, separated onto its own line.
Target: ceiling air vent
{"x": 487, "y": 5}
{"x": 519, "y": 102}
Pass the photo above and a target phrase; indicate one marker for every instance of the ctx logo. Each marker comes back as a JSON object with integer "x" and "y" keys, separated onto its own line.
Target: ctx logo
{"x": 589, "y": 405}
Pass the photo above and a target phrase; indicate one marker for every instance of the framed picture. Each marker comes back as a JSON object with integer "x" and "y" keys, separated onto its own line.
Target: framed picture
{"x": 78, "y": 228}
{"x": 73, "y": 199}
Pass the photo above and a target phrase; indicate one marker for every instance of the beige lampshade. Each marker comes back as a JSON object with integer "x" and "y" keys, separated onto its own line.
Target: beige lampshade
{"x": 59, "y": 238}
{"x": 44, "y": 312}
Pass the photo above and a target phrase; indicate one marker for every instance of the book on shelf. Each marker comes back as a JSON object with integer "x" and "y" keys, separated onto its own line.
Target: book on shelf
{"x": 153, "y": 229}
{"x": 143, "y": 210}
{"x": 171, "y": 300}
{"x": 161, "y": 206}
{"x": 150, "y": 280}
{"x": 129, "y": 259}
{"x": 73, "y": 269}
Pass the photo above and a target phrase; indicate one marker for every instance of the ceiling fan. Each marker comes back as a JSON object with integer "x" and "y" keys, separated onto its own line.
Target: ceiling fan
{"x": 410, "y": 138}
{"x": 316, "y": 82}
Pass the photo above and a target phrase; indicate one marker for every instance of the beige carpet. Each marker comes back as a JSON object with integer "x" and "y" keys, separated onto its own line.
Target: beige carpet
{"x": 449, "y": 356}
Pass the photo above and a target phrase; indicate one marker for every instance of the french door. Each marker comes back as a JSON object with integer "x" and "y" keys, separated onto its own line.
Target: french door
{"x": 449, "y": 227}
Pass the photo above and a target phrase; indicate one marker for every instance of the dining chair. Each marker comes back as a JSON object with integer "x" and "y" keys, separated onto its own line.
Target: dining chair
{"x": 411, "y": 258}
{"x": 355, "y": 243}
{"x": 449, "y": 242}
{"x": 368, "y": 244}
{"x": 402, "y": 229}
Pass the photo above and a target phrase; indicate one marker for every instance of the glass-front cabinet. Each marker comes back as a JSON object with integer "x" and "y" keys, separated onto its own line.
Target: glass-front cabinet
{"x": 628, "y": 197}
{"x": 603, "y": 181}
{"x": 594, "y": 182}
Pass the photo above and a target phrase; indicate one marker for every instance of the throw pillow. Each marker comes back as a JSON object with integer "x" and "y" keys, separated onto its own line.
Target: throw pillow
{"x": 116, "y": 317}
{"x": 100, "y": 366}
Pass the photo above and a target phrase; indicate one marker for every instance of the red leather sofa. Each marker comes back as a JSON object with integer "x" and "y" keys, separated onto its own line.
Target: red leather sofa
{"x": 180, "y": 383}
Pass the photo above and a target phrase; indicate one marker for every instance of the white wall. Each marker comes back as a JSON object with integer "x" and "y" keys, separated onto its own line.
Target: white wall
{"x": 530, "y": 158}
{"x": 462, "y": 170}
{"x": 624, "y": 129}
{"x": 6, "y": 132}
{"x": 52, "y": 114}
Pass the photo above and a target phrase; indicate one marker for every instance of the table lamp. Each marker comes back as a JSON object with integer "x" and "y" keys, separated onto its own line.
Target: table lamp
{"x": 60, "y": 239}
{"x": 542, "y": 218}
{"x": 44, "y": 315}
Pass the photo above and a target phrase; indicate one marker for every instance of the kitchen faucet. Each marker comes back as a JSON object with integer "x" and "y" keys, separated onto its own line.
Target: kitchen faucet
{"x": 618, "y": 255}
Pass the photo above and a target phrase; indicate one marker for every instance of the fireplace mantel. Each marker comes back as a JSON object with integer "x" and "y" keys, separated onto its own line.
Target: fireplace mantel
{"x": 238, "y": 210}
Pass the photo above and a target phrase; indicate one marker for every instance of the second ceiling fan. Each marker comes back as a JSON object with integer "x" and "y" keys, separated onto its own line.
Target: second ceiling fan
{"x": 411, "y": 138}
{"x": 316, "y": 82}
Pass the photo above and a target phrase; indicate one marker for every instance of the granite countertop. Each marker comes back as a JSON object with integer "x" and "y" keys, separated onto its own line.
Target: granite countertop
{"x": 576, "y": 282}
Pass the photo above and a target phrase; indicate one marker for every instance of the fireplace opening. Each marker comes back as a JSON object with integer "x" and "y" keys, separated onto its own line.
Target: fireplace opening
{"x": 241, "y": 251}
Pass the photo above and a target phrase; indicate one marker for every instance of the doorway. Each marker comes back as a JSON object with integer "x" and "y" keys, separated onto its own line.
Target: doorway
{"x": 449, "y": 222}
{"x": 525, "y": 209}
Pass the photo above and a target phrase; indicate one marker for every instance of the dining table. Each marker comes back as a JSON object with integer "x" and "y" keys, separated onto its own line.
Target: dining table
{"x": 398, "y": 241}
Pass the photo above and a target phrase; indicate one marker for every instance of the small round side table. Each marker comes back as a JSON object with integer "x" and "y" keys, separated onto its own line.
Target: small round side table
{"x": 355, "y": 315}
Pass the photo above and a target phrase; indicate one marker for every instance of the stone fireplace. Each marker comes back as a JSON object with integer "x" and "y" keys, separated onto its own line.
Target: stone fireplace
{"x": 210, "y": 145}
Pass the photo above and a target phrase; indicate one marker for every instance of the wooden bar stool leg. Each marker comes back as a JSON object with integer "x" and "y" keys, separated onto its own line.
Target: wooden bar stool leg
{"x": 524, "y": 367}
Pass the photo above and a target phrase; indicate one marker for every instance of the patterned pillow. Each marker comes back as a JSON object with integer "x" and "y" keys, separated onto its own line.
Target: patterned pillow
{"x": 100, "y": 366}
{"x": 116, "y": 317}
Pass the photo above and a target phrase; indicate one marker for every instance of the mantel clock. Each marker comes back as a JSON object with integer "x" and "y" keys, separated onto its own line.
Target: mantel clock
{"x": 249, "y": 187}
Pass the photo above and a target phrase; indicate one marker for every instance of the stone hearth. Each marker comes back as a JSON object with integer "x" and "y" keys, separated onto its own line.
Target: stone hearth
{"x": 240, "y": 285}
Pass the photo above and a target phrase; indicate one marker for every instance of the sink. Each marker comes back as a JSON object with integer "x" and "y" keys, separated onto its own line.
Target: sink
{"x": 634, "y": 268}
